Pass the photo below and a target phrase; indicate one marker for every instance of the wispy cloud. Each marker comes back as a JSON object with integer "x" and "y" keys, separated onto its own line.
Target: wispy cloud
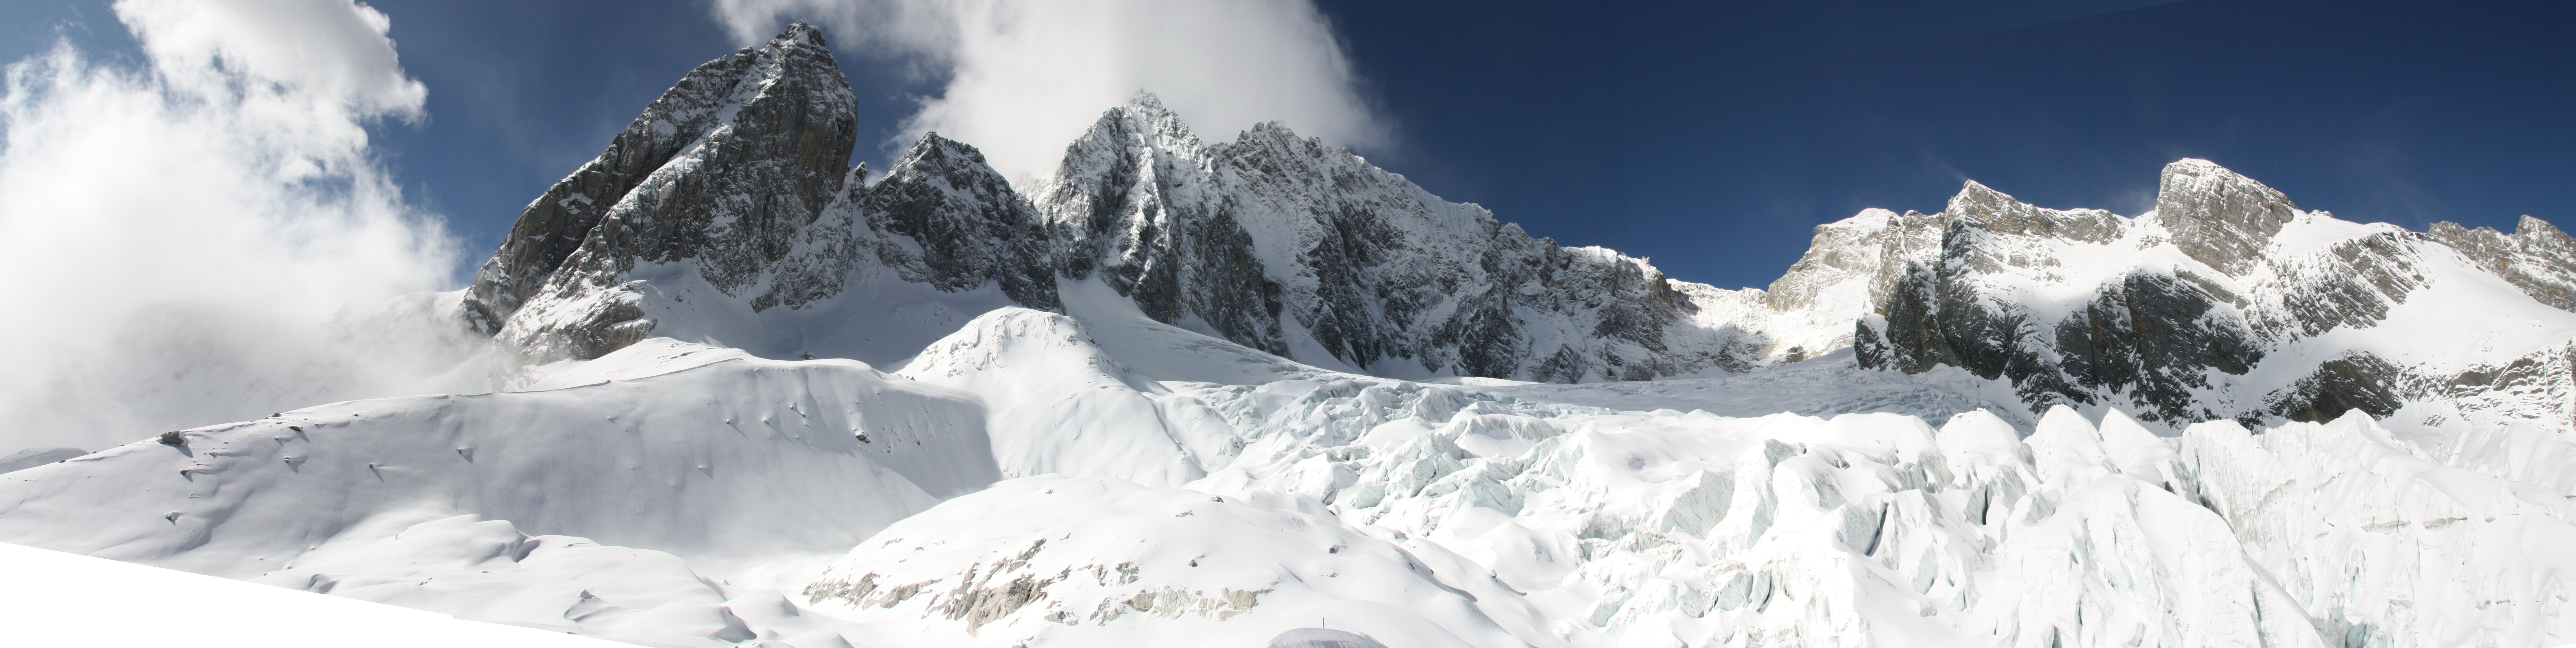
{"x": 181, "y": 234}
{"x": 1023, "y": 78}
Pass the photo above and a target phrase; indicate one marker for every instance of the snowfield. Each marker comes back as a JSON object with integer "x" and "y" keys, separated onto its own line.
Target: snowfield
{"x": 676, "y": 494}
{"x": 61, "y": 599}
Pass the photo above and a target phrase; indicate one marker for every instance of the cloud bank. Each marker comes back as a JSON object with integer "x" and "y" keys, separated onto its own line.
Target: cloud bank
{"x": 1023, "y": 78}
{"x": 183, "y": 237}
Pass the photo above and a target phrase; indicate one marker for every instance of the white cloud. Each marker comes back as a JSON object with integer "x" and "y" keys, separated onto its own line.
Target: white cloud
{"x": 1025, "y": 77}
{"x": 179, "y": 237}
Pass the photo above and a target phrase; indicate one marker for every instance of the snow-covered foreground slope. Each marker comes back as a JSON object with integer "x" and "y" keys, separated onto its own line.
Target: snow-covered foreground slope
{"x": 741, "y": 466}
{"x": 53, "y": 598}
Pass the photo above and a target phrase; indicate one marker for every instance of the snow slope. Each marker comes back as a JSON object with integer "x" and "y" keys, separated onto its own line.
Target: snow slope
{"x": 1058, "y": 404}
{"x": 56, "y": 598}
{"x": 736, "y": 464}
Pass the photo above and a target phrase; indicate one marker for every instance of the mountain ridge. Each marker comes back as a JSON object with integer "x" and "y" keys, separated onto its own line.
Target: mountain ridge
{"x": 1307, "y": 252}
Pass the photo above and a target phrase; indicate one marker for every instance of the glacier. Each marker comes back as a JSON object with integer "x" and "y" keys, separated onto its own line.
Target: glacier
{"x": 1260, "y": 392}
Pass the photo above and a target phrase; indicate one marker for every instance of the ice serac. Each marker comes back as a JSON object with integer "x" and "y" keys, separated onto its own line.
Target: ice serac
{"x": 1305, "y": 250}
{"x": 719, "y": 174}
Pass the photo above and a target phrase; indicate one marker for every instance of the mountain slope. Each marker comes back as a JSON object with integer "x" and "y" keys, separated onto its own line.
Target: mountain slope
{"x": 726, "y": 221}
{"x": 720, "y": 171}
{"x": 729, "y": 462}
{"x": 2225, "y": 302}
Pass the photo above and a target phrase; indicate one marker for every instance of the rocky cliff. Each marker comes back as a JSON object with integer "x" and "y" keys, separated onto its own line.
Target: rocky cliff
{"x": 721, "y": 173}
{"x": 1301, "y": 249}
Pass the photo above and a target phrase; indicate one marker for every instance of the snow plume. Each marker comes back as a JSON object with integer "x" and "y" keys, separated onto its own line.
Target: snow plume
{"x": 184, "y": 237}
{"x": 1025, "y": 77}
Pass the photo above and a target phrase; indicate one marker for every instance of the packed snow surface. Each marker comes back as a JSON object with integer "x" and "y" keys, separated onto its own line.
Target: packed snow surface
{"x": 53, "y": 598}
{"x": 1030, "y": 479}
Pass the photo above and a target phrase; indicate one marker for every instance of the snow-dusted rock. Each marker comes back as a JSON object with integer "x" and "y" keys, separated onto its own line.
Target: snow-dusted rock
{"x": 2225, "y": 303}
{"x": 720, "y": 172}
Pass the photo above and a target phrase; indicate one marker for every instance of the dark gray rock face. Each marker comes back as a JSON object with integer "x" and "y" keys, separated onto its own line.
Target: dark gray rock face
{"x": 558, "y": 221}
{"x": 1134, "y": 204}
{"x": 2354, "y": 381}
{"x": 762, "y": 145}
{"x": 1274, "y": 241}
{"x": 2149, "y": 335}
{"x": 1277, "y": 241}
{"x": 969, "y": 226}
{"x": 941, "y": 217}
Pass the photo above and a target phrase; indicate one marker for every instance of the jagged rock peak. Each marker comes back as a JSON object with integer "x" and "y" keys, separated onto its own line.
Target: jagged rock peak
{"x": 721, "y": 173}
{"x": 939, "y": 155}
{"x": 2218, "y": 217}
{"x": 1148, "y": 107}
{"x": 969, "y": 227}
{"x": 1996, "y": 211}
{"x": 1973, "y": 194}
{"x": 1144, "y": 121}
{"x": 799, "y": 33}
{"x": 552, "y": 227}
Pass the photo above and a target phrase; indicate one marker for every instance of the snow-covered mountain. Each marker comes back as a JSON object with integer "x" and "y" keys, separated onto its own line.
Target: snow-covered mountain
{"x": 724, "y": 213}
{"x": 1261, "y": 392}
{"x": 2226, "y": 302}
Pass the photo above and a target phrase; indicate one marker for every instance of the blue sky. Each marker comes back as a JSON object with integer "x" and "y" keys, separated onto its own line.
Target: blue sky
{"x": 1709, "y": 137}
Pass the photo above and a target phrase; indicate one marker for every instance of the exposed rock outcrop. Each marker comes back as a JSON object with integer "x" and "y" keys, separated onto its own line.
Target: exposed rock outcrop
{"x": 733, "y": 161}
{"x": 2225, "y": 302}
{"x": 1283, "y": 243}
{"x": 2536, "y": 257}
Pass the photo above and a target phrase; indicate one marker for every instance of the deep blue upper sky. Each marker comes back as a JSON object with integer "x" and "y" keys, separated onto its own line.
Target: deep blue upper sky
{"x": 1709, "y": 137}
